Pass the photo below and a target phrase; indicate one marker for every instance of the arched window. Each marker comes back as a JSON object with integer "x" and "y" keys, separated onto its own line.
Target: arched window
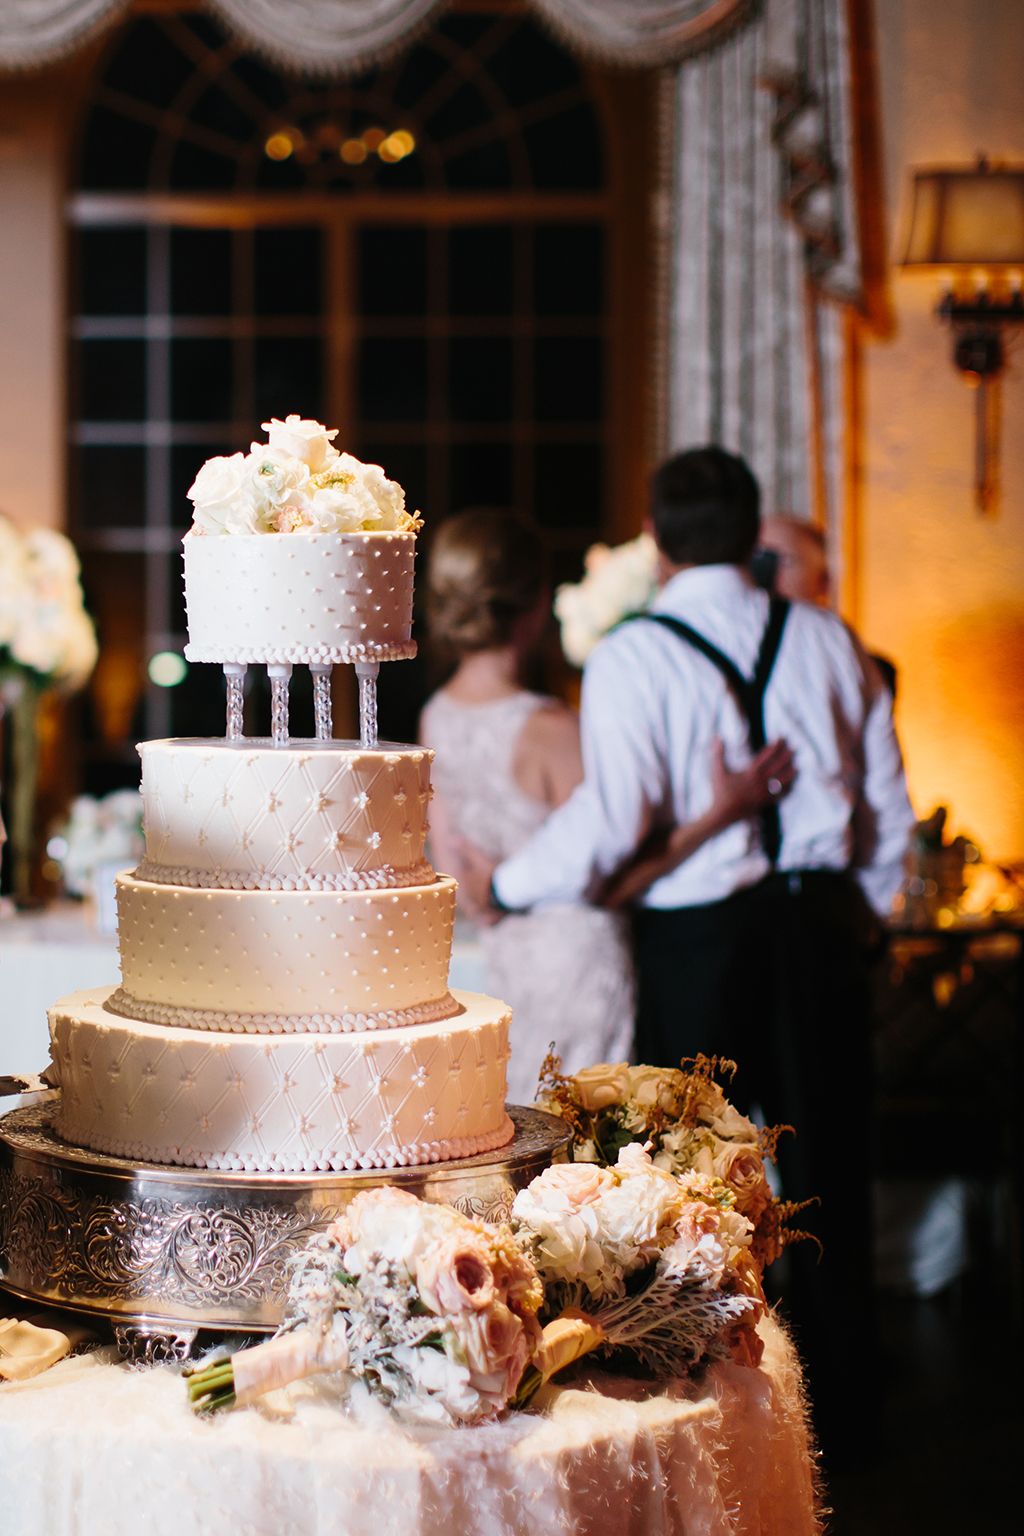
{"x": 420, "y": 256}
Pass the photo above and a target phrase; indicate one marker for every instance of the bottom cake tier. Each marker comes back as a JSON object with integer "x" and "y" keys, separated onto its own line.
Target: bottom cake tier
{"x": 294, "y": 1103}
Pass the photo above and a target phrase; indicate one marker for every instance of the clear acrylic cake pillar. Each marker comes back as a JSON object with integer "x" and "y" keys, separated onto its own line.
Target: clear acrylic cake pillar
{"x": 321, "y": 671}
{"x": 234, "y": 674}
{"x": 367, "y": 672}
{"x": 279, "y": 673}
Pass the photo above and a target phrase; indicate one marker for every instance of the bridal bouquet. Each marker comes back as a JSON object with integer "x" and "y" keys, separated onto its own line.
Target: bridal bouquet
{"x": 618, "y": 582}
{"x": 298, "y": 482}
{"x": 635, "y": 1259}
{"x": 433, "y": 1313}
{"x": 691, "y": 1128}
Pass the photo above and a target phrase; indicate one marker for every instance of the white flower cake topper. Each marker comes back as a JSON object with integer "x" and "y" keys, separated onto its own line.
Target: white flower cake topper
{"x": 298, "y": 482}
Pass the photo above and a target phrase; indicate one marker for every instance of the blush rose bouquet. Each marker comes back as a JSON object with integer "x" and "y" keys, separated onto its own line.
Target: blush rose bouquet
{"x": 640, "y": 1263}
{"x": 297, "y": 482}
{"x": 434, "y": 1314}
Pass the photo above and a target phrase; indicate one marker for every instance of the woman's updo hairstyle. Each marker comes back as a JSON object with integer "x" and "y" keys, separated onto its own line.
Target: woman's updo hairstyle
{"x": 485, "y": 570}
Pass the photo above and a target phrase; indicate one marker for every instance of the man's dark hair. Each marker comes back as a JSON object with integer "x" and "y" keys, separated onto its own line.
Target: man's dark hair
{"x": 705, "y": 506}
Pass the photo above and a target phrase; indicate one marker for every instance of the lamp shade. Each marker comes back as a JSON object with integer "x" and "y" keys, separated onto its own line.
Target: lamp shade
{"x": 970, "y": 218}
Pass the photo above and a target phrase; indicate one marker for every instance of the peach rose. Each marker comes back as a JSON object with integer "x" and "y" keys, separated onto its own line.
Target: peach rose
{"x": 455, "y": 1275}
{"x": 653, "y": 1087}
{"x": 742, "y": 1168}
{"x": 710, "y": 1105}
{"x": 603, "y": 1085}
{"x": 567, "y": 1187}
{"x": 494, "y": 1344}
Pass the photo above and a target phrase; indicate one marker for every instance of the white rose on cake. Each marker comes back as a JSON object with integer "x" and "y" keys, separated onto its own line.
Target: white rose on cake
{"x": 220, "y": 496}
{"x": 307, "y": 441}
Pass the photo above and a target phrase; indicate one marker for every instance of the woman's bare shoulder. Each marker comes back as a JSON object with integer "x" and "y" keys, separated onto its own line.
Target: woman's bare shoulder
{"x": 552, "y": 725}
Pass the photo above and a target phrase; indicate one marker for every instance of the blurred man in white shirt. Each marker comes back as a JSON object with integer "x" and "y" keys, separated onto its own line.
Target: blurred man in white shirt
{"x": 752, "y": 946}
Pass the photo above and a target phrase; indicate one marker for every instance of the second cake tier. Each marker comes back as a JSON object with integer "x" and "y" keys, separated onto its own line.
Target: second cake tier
{"x": 286, "y": 961}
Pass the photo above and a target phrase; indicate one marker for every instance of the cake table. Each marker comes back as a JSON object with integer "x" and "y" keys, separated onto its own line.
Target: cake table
{"x": 96, "y": 1448}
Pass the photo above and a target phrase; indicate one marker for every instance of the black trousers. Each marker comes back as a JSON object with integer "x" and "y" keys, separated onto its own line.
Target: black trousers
{"x": 775, "y": 978}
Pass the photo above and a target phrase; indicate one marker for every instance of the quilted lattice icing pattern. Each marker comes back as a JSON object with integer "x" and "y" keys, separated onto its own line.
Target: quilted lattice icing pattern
{"x": 288, "y": 952}
{"x": 298, "y": 596}
{"x": 310, "y": 816}
{"x": 281, "y": 1103}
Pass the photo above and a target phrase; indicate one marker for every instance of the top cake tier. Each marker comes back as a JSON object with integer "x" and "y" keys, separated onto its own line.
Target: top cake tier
{"x": 299, "y": 597}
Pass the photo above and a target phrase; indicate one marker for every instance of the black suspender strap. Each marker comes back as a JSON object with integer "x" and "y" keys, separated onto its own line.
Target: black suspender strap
{"x": 748, "y": 693}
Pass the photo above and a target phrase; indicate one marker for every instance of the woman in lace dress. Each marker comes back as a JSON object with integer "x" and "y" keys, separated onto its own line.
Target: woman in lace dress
{"x": 504, "y": 759}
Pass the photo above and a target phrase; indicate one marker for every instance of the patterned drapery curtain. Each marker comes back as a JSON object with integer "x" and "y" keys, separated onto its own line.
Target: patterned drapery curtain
{"x": 341, "y": 36}
{"x": 764, "y": 253}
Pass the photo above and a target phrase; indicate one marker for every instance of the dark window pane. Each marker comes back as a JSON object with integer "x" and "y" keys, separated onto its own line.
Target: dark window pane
{"x": 264, "y": 83}
{"x": 289, "y": 377}
{"x": 288, "y": 271}
{"x": 194, "y": 169}
{"x": 116, "y": 152}
{"x": 565, "y": 151}
{"x": 112, "y": 380}
{"x": 187, "y": 459}
{"x": 420, "y": 73}
{"x": 404, "y": 462}
{"x": 464, "y": 110}
{"x": 568, "y": 269}
{"x": 485, "y": 168}
{"x": 480, "y": 269}
{"x": 480, "y": 378}
{"x": 197, "y": 704}
{"x": 206, "y": 30}
{"x": 201, "y": 375}
{"x": 218, "y": 112}
{"x": 392, "y": 270}
{"x": 148, "y": 65}
{"x": 568, "y": 479}
{"x": 112, "y": 271}
{"x": 393, "y": 378}
{"x": 110, "y": 486}
{"x": 481, "y": 475}
{"x": 530, "y": 65}
{"x": 567, "y": 378}
{"x": 280, "y": 175}
{"x": 466, "y": 30}
{"x": 201, "y": 271}
{"x": 408, "y": 175}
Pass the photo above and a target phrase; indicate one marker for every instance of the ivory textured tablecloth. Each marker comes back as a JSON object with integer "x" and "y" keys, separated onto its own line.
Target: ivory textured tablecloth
{"x": 94, "y": 1448}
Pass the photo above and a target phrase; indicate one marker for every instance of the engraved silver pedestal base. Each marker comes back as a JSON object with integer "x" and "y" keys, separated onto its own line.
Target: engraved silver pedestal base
{"x": 163, "y": 1252}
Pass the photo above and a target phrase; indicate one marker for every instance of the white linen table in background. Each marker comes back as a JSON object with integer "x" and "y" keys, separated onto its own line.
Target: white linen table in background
{"x": 93, "y": 1448}
{"x": 44, "y": 956}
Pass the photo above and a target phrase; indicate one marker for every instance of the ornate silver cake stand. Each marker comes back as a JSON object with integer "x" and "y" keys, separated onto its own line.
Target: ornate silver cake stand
{"x": 163, "y": 1252}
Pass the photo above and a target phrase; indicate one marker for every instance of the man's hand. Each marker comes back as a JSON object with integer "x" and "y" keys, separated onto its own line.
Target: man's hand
{"x": 475, "y": 875}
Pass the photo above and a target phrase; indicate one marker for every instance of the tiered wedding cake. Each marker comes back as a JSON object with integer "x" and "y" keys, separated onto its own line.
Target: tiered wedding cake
{"x": 285, "y": 946}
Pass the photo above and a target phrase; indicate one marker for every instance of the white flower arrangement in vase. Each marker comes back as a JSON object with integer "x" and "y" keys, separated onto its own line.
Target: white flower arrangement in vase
{"x": 47, "y": 640}
{"x": 617, "y": 583}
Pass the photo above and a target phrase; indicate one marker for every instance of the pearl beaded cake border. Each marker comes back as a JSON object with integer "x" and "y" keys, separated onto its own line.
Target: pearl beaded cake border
{"x": 443, "y": 1151}
{"x": 127, "y": 1007}
{"x": 363, "y": 650}
{"x": 384, "y": 879}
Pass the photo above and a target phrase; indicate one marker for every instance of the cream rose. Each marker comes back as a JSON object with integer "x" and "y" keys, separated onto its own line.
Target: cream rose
{"x": 741, "y": 1166}
{"x": 565, "y": 1187}
{"x": 603, "y": 1085}
{"x": 710, "y": 1105}
{"x": 306, "y": 440}
{"x": 653, "y": 1087}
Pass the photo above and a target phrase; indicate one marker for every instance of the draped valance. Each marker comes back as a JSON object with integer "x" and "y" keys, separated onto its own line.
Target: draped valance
{"x": 340, "y": 36}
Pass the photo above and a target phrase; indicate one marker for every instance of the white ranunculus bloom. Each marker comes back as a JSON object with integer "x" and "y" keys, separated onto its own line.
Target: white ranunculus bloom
{"x": 337, "y": 510}
{"x": 220, "y": 496}
{"x": 275, "y": 480}
{"x": 305, "y": 440}
{"x": 398, "y": 1232}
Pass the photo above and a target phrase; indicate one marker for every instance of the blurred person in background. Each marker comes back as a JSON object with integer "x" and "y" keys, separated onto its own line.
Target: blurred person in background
{"x": 504, "y": 759}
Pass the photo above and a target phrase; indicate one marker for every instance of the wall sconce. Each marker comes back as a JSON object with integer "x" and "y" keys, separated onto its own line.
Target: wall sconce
{"x": 963, "y": 221}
